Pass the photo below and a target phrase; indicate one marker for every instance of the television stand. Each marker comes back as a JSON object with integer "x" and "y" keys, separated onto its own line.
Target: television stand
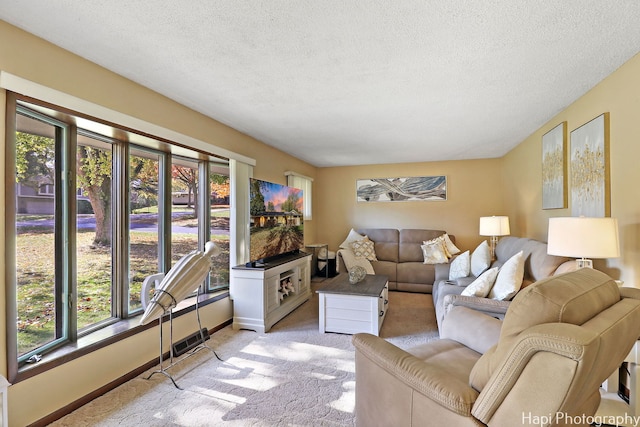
{"x": 264, "y": 295}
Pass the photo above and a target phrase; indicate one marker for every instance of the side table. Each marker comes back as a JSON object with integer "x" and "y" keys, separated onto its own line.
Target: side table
{"x": 612, "y": 383}
{"x": 316, "y": 247}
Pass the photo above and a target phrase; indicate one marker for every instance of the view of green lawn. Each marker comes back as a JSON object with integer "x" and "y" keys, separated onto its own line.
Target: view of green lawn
{"x": 35, "y": 290}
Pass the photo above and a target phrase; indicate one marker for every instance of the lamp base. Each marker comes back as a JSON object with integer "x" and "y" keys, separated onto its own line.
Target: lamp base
{"x": 493, "y": 242}
{"x": 584, "y": 263}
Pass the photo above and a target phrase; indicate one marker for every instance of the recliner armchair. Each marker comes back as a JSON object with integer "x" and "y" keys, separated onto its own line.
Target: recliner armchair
{"x": 543, "y": 365}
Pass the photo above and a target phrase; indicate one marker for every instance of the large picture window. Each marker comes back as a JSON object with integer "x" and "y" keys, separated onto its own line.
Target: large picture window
{"x": 96, "y": 209}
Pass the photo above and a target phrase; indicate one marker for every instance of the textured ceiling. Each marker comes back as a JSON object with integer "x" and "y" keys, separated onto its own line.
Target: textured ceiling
{"x": 337, "y": 82}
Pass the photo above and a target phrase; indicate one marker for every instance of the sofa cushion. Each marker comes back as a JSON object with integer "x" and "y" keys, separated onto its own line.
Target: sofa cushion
{"x": 538, "y": 264}
{"x": 386, "y": 242}
{"x": 414, "y": 272}
{"x": 541, "y": 264}
{"x": 509, "y": 280}
{"x": 410, "y": 240}
{"x": 386, "y": 268}
{"x": 584, "y": 294}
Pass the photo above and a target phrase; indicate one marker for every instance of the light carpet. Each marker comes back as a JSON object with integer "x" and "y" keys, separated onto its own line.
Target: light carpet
{"x": 291, "y": 376}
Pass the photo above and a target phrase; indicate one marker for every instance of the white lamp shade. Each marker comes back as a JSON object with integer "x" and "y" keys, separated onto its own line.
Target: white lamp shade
{"x": 583, "y": 237}
{"x": 494, "y": 226}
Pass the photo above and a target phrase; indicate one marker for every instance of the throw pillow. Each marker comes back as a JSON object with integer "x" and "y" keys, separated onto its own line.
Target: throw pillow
{"x": 480, "y": 259}
{"x": 452, "y": 249}
{"x": 434, "y": 252}
{"x": 364, "y": 248}
{"x": 482, "y": 285}
{"x": 509, "y": 280}
{"x": 449, "y": 248}
{"x": 460, "y": 266}
{"x": 351, "y": 237}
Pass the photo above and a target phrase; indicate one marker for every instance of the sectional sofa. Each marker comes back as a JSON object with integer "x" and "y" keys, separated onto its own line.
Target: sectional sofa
{"x": 400, "y": 257}
{"x": 538, "y": 265}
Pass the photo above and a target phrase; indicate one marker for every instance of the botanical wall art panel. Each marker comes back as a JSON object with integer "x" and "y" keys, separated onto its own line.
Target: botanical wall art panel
{"x": 419, "y": 188}
{"x": 590, "y": 168}
{"x": 554, "y": 168}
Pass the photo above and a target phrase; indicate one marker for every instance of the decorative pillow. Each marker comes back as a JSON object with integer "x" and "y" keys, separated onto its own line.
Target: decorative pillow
{"x": 509, "y": 280}
{"x": 364, "y": 248}
{"x": 352, "y": 237}
{"x": 434, "y": 252}
{"x": 460, "y": 266}
{"x": 482, "y": 285}
{"x": 451, "y": 248}
{"x": 480, "y": 259}
{"x": 443, "y": 239}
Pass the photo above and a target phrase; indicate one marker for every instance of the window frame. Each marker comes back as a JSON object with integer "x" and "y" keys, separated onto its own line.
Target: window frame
{"x": 63, "y": 278}
{"x": 120, "y": 197}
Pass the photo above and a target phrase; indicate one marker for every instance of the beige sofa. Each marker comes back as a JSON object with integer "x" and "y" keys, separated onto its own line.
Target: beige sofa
{"x": 538, "y": 265}
{"x": 400, "y": 257}
{"x": 560, "y": 339}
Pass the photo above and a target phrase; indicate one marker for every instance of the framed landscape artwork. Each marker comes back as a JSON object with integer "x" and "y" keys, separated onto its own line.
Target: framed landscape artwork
{"x": 419, "y": 188}
{"x": 590, "y": 169}
{"x": 554, "y": 168}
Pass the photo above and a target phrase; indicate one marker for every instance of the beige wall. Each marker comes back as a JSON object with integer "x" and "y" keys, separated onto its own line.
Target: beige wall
{"x": 618, "y": 94}
{"x": 473, "y": 190}
{"x": 33, "y": 59}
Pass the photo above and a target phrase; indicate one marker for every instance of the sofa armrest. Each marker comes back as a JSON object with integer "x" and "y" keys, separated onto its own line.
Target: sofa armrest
{"x": 561, "y": 345}
{"x": 494, "y": 308}
{"x": 447, "y": 391}
{"x": 442, "y": 272}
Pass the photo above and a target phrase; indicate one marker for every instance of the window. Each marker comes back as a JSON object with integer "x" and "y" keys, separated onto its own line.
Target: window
{"x": 119, "y": 207}
{"x": 220, "y": 224}
{"x": 41, "y": 290}
{"x": 304, "y": 183}
{"x": 184, "y": 208}
{"x": 95, "y": 293}
{"x": 145, "y": 205}
{"x": 46, "y": 190}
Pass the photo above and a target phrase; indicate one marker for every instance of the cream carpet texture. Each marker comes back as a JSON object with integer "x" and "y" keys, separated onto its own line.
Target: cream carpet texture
{"x": 291, "y": 376}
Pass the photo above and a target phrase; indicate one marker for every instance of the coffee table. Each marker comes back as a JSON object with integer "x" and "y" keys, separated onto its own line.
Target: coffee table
{"x": 349, "y": 309}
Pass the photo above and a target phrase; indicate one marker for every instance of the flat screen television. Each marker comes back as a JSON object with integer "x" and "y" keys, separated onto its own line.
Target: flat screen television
{"x": 277, "y": 226}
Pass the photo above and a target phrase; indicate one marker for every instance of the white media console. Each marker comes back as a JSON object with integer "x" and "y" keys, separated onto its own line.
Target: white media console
{"x": 264, "y": 295}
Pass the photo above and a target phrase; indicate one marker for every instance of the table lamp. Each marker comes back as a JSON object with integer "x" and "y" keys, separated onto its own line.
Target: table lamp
{"x": 494, "y": 226}
{"x": 583, "y": 238}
